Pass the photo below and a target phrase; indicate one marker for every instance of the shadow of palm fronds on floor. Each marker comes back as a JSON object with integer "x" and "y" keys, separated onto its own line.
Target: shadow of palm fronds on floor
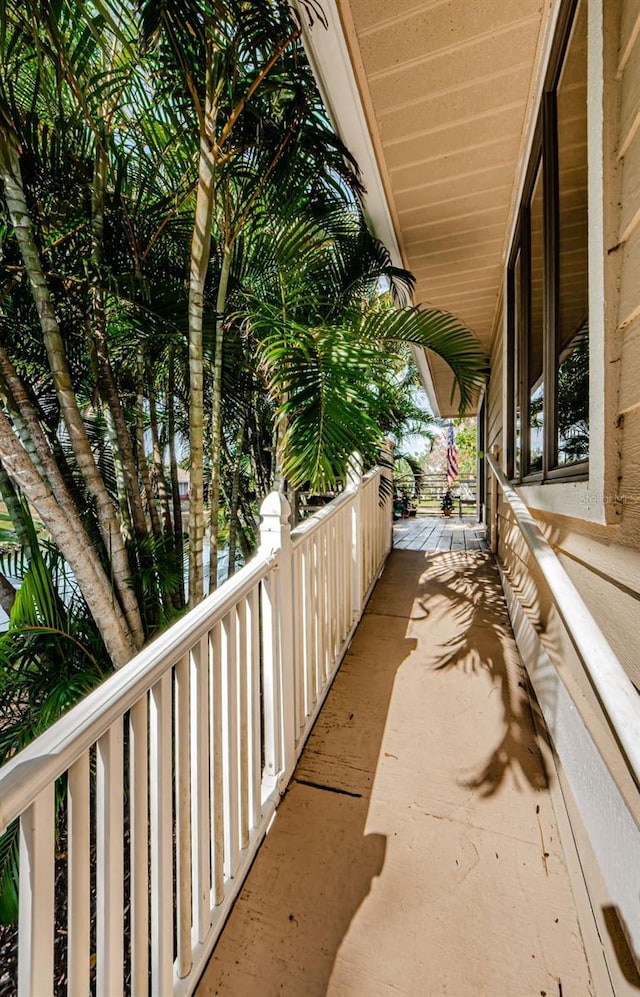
{"x": 460, "y": 602}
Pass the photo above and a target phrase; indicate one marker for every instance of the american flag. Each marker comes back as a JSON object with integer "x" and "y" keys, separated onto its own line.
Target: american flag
{"x": 452, "y": 457}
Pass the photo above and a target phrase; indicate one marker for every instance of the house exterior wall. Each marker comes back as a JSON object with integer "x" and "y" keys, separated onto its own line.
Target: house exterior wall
{"x": 593, "y": 525}
{"x": 602, "y": 558}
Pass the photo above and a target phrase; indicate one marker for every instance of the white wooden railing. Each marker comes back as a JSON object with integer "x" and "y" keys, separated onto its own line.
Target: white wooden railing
{"x": 601, "y": 773}
{"x": 162, "y": 782}
{"x": 618, "y": 696}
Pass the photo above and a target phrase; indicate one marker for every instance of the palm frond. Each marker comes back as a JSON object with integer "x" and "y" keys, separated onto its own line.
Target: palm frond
{"x": 435, "y": 330}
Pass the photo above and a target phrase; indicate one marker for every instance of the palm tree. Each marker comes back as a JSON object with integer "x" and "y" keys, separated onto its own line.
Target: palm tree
{"x": 225, "y": 55}
{"x": 322, "y": 331}
{"x": 43, "y": 85}
{"x": 127, "y": 171}
{"x": 75, "y": 106}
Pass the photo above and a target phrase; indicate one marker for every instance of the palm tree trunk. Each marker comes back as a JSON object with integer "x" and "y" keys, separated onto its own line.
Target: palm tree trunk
{"x": 257, "y": 454}
{"x": 157, "y": 466}
{"x": 8, "y": 378}
{"x": 216, "y": 418}
{"x": 104, "y": 373}
{"x": 7, "y": 594}
{"x": 69, "y": 535}
{"x": 235, "y": 497}
{"x": 27, "y": 425}
{"x": 121, "y": 437}
{"x": 175, "y": 485}
{"x": 279, "y": 483}
{"x": 109, "y": 526}
{"x": 123, "y": 499}
{"x": 14, "y": 509}
{"x": 48, "y": 475}
{"x": 199, "y": 263}
{"x": 156, "y": 528}
{"x": 249, "y": 528}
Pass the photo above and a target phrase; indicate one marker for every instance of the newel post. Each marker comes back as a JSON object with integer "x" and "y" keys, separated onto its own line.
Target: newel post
{"x": 278, "y": 659}
{"x": 354, "y": 484}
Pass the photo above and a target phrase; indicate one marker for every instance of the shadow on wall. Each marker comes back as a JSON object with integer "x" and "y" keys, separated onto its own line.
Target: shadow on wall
{"x": 460, "y": 599}
{"x": 628, "y": 960}
{"x": 317, "y": 864}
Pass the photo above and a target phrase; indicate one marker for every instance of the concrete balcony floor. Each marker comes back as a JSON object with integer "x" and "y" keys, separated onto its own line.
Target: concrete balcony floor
{"x": 416, "y": 851}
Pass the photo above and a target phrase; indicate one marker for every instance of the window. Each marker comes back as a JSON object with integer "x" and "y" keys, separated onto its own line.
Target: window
{"x": 547, "y": 277}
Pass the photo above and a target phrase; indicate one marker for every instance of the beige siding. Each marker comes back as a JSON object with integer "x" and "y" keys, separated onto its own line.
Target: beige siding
{"x": 602, "y": 561}
{"x": 623, "y": 570}
{"x": 628, "y": 397}
{"x": 629, "y": 287}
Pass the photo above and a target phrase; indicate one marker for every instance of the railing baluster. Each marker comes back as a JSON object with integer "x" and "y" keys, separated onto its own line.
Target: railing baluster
{"x": 364, "y": 523}
{"x": 322, "y": 610}
{"x": 317, "y": 613}
{"x": 354, "y": 537}
{"x": 161, "y": 838}
{"x": 37, "y": 870}
{"x": 328, "y": 609}
{"x": 368, "y": 537}
{"x": 371, "y": 531}
{"x": 326, "y": 591}
{"x": 340, "y": 571}
{"x": 297, "y": 612}
{"x": 243, "y": 727}
{"x": 344, "y": 578}
{"x": 348, "y": 565}
{"x": 78, "y": 872}
{"x": 200, "y": 788}
{"x": 255, "y": 734}
{"x": 331, "y": 592}
{"x": 139, "y": 844}
{"x": 109, "y": 871}
{"x": 217, "y": 791}
{"x": 230, "y": 743}
{"x": 308, "y": 623}
{"x": 271, "y": 690}
{"x": 183, "y": 815}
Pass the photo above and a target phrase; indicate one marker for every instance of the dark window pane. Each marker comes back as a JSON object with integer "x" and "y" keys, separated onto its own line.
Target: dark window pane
{"x": 573, "y": 399}
{"x": 535, "y": 387}
{"x": 517, "y": 392}
{"x": 573, "y": 340}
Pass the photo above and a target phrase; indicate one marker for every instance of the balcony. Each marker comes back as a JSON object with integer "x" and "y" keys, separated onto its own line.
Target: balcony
{"x": 397, "y": 821}
{"x": 416, "y": 850}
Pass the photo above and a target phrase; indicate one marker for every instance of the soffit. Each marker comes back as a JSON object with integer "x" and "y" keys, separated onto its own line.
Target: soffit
{"x": 446, "y": 87}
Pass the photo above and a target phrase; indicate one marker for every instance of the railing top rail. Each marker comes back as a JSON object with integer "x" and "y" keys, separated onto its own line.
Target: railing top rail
{"x": 54, "y": 751}
{"x": 617, "y": 694}
{"x": 373, "y": 473}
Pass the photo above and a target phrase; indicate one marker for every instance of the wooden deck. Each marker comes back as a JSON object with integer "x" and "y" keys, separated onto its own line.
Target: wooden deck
{"x": 416, "y": 852}
{"x": 439, "y": 533}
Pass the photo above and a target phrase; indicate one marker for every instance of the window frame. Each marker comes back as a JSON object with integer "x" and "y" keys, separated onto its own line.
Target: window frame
{"x": 543, "y": 155}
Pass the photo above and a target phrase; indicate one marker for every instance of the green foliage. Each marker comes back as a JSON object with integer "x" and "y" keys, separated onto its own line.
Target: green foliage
{"x": 313, "y": 364}
{"x": 333, "y": 349}
{"x": 573, "y": 398}
{"x": 9, "y": 862}
{"x": 466, "y": 442}
{"x": 50, "y": 656}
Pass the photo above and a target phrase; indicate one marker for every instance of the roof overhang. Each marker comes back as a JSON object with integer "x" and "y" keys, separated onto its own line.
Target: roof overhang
{"x": 434, "y": 99}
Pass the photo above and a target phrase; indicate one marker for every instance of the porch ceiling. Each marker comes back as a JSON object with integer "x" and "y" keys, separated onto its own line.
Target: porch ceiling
{"x": 445, "y": 90}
